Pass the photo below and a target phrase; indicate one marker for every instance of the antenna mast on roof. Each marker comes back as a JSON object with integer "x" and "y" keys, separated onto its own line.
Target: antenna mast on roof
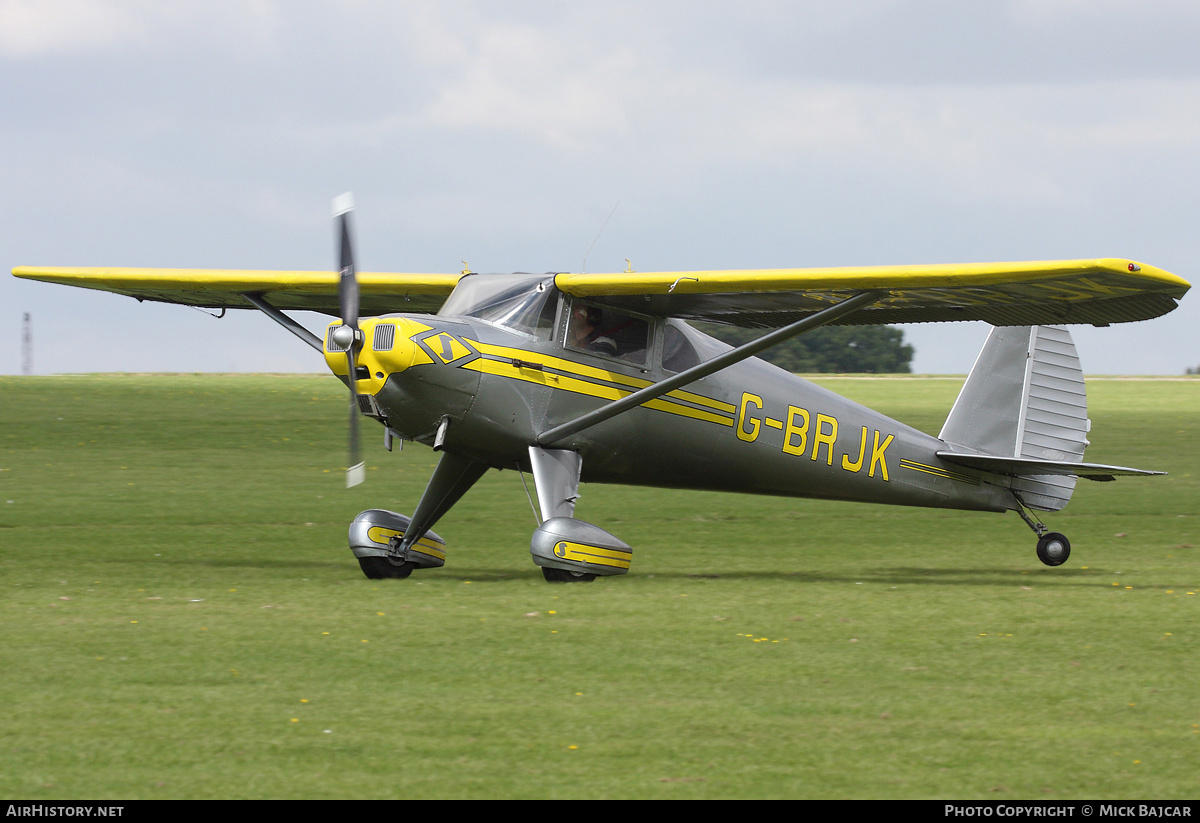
{"x": 27, "y": 346}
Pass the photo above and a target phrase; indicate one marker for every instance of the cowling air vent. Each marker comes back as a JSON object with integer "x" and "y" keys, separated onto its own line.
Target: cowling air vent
{"x": 368, "y": 406}
{"x": 329, "y": 344}
{"x": 385, "y": 336}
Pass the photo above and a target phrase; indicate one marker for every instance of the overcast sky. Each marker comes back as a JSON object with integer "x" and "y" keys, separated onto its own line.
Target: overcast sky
{"x": 732, "y": 135}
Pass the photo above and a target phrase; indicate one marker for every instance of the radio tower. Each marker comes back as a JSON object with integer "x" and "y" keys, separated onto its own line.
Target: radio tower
{"x": 27, "y": 346}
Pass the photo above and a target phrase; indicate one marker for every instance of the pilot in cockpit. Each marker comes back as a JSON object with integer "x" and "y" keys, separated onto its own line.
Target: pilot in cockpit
{"x": 585, "y": 331}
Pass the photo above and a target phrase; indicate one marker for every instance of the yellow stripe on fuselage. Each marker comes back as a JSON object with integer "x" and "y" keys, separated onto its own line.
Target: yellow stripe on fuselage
{"x": 938, "y": 472}
{"x": 579, "y": 377}
{"x": 687, "y": 411}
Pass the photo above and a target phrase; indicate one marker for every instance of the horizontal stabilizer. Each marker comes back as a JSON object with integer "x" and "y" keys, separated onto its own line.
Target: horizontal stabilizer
{"x": 1026, "y": 466}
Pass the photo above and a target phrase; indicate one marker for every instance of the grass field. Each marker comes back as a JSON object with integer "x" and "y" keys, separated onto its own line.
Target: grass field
{"x": 182, "y": 618}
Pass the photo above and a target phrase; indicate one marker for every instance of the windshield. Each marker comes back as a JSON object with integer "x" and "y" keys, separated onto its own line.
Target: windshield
{"x": 524, "y": 302}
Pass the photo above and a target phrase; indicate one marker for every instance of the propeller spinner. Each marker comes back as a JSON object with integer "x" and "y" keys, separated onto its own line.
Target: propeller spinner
{"x": 348, "y": 334}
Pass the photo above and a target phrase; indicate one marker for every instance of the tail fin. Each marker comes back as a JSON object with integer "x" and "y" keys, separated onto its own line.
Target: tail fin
{"x": 1023, "y": 401}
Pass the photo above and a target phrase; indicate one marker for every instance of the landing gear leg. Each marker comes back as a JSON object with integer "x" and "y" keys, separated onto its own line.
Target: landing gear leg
{"x": 389, "y": 545}
{"x": 1053, "y": 548}
{"x": 451, "y": 479}
{"x": 569, "y": 550}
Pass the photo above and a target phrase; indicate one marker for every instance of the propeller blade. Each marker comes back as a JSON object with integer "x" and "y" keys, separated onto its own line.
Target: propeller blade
{"x": 348, "y": 305}
{"x": 348, "y": 284}
{"x": 356, "y": 473}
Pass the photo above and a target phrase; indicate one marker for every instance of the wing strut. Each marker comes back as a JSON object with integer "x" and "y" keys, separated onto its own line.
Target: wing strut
{"x": 721, "y": 361}
{"x": 453, "y": 477}
{"x": 283, "y": 320}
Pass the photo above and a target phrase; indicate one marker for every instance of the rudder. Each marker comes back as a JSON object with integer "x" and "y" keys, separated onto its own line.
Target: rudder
{"x": 1025, "y": 398}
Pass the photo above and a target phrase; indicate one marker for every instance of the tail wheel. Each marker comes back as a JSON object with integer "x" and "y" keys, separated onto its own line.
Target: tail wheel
{"x": 384, "y": 568}
{"x": 1053, "y": 549}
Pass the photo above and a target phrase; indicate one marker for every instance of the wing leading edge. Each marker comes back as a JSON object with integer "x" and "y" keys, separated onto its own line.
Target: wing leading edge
{"x": 381, "y": 292}
{"x": 1098, "y": 292}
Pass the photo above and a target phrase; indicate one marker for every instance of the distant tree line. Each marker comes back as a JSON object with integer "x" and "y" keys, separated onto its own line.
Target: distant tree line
{"x": 830, "y": 349}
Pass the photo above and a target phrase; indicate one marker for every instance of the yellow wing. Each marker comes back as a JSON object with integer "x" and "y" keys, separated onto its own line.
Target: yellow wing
{"x": 1003, "y": 294}
{"x": 223, "y": 288}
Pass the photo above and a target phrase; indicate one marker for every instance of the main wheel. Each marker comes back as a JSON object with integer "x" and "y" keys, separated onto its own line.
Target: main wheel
{"x": 383, "y": 568}
{"x": 1053, "y": 549}
{"x": 564, "y": 576}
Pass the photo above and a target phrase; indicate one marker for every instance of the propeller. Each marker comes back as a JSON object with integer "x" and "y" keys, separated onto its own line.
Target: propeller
{"x": 348, "y": 334}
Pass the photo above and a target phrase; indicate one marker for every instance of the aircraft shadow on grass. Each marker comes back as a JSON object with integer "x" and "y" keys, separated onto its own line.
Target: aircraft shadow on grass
{"x": 894, "y": 576}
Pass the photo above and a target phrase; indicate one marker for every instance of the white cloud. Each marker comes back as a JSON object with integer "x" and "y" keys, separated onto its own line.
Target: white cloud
{"x": 999, "y": 140}
{"x": 32, "y": 28}
{"x": 768, "y": 133}
{"x": 1042, "y": 12}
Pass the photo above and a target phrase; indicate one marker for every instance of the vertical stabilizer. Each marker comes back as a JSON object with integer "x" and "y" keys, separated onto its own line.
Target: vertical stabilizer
{"x": 1025, "y": 398}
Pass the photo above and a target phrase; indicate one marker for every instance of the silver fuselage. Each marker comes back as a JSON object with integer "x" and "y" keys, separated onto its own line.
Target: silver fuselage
{"x": 751, "y": 428}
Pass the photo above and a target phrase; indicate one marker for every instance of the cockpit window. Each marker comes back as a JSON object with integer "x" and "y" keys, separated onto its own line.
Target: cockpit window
{"x": 678, "y": 352}
{"x": 684, "y": 347}
{"x": 526, "y": 303}
{"x": 608, "y": 331}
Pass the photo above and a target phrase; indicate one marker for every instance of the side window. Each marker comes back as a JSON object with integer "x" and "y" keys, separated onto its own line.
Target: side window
{"x": 678, "y": 352}
{"x": 608, "y": 332}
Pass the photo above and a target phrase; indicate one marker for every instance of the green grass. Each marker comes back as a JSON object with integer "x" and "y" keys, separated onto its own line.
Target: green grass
{"x": 182, "y": 618}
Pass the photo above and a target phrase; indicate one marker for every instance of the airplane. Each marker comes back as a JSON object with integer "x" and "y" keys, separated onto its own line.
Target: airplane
{"x": 599, "y": 378}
